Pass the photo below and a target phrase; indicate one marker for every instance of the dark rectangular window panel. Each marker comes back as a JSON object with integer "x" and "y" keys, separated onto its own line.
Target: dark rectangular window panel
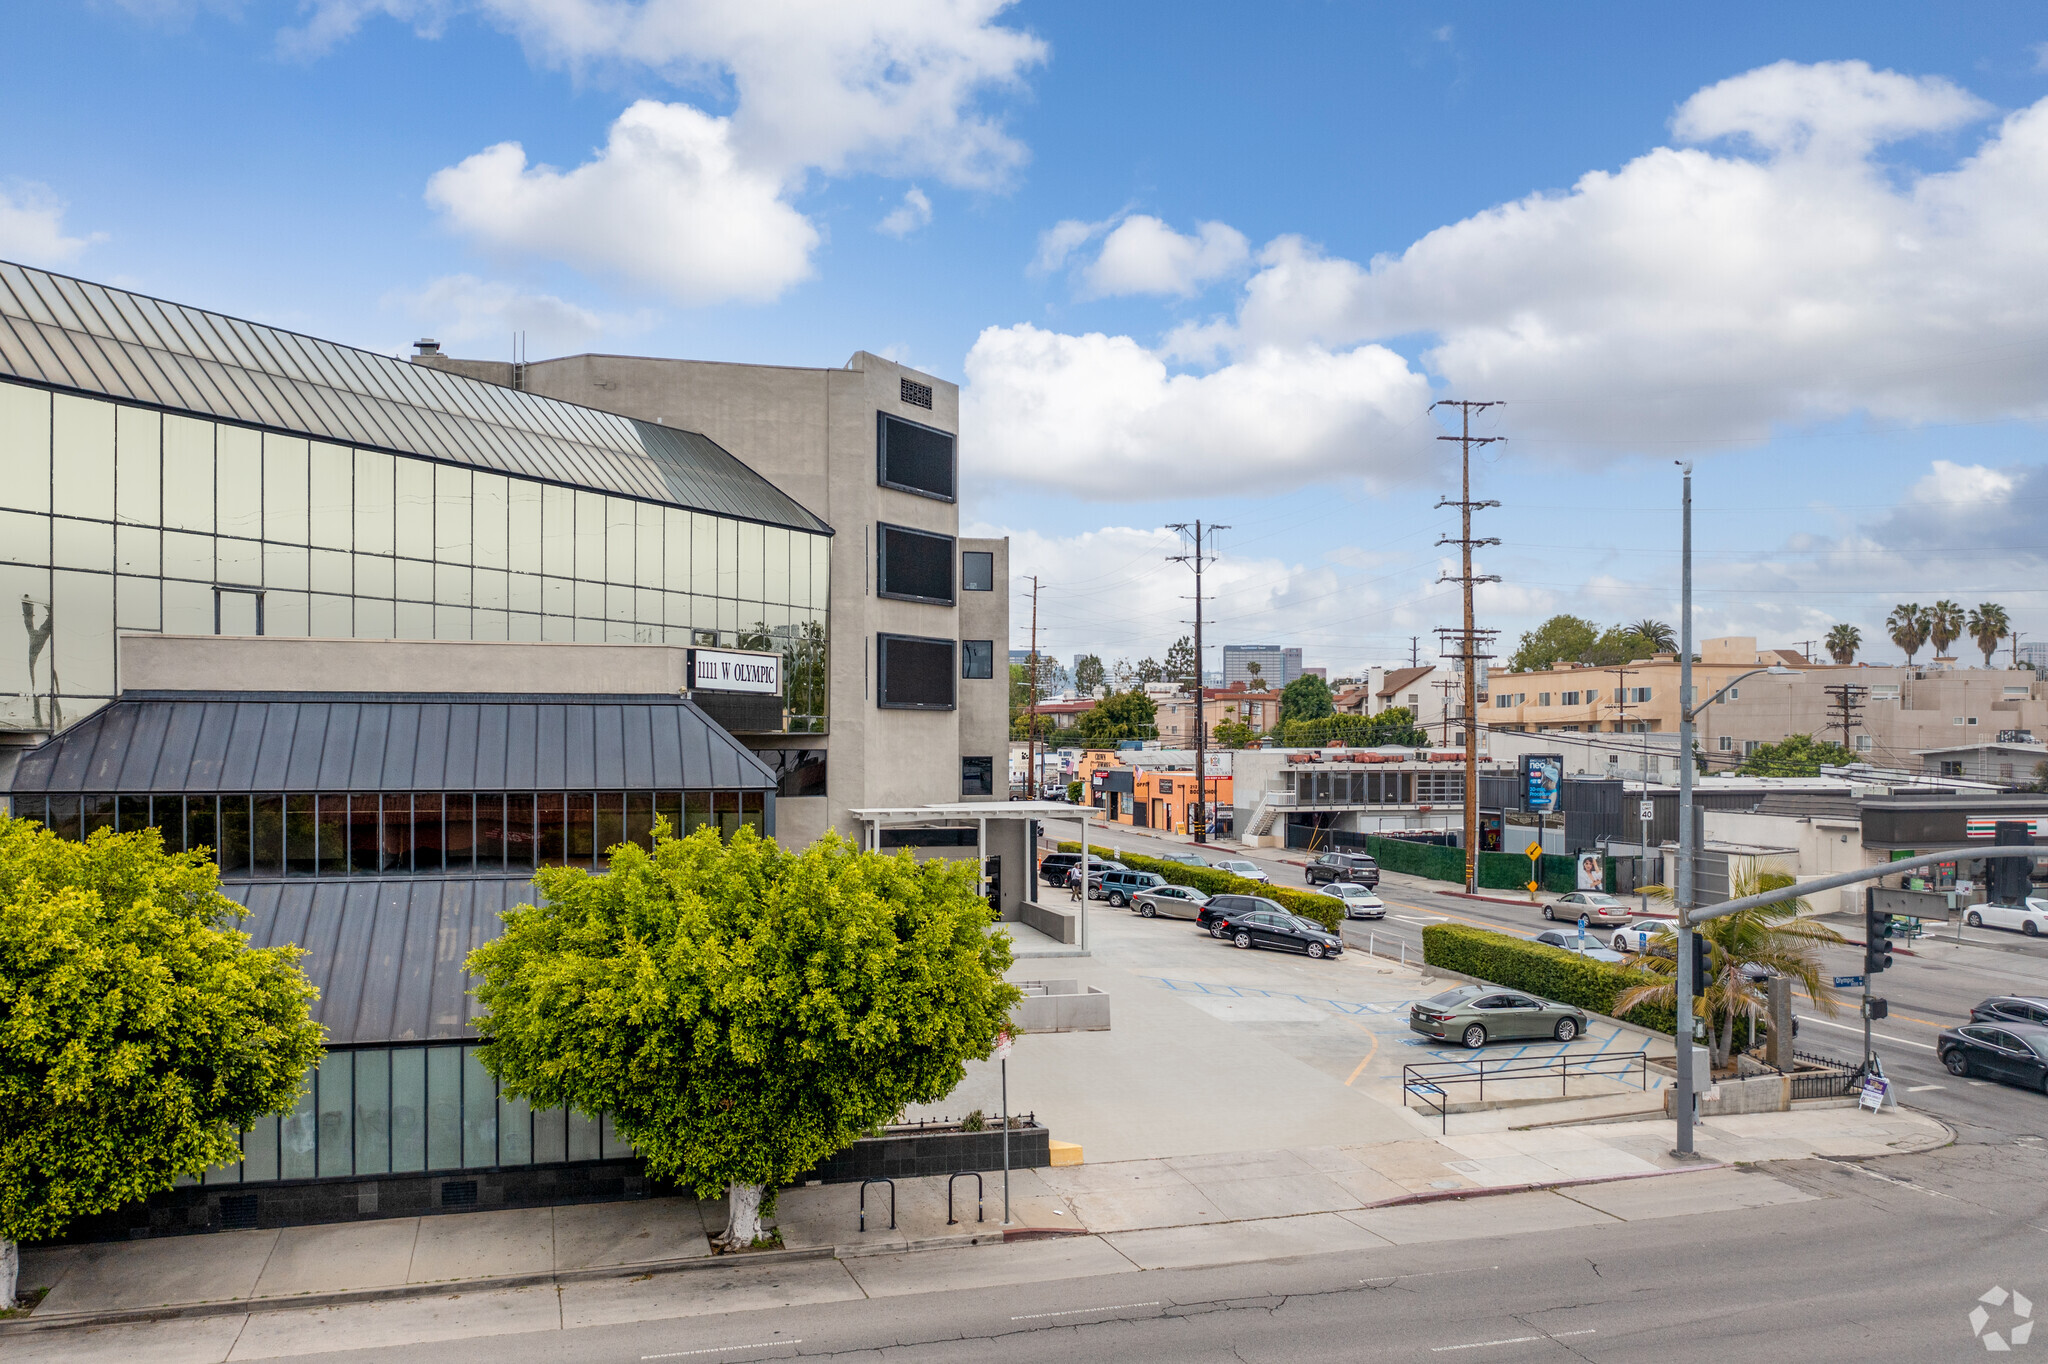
{"x": 977, "y": 776}
{"x": 131, "y": 813}
{"x": 977, "y": 658}
{"x": 582, "y": 826}
{"x": 914, "y": 565}
{"x": 233, "y": 855}
{"x": 798, "y": 771}
{"x": 551, "y": 832}
{"x": 301, "y": 836}
{"x": 611, "y": 821}
{"x": 913, "y": 458}
{"x": 916, "y": 673}
{"x": 266, "y": 836}
{"x": 696, "y": 811}
{"x": 751, "y": 805}
{"x": 169, "y": 815}
{"x": 519, "y": 834}
{"x": 668, "y": 805}
{"x": 63, "y": 820}
{"x": 365, "y": 844}
{"x": 725, "y": 808}
{"x": 202, "y": 829}
{"x": 928, "y": 838}
{"x": 640, "y": 819}
{"x": 429, "y": 836}
{"x": 490, "y": 832}
{"x": 460, "y": 838}
{"x": 98, "y": 812}
{"x": 332, "y": 819}
{"x": 977, "y": 570}
{"x": 915, "y": 394}
{"x": 396, "y": 844}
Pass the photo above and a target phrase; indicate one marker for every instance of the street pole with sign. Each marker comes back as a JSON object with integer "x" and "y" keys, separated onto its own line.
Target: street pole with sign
{"x": 1003, "y": 1061}
{"x": 1682, "y": 1054}
{"x": 1643, "y": 810}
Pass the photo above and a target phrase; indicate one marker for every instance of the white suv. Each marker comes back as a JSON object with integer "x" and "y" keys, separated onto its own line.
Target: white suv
{"x": 1239, "y": 867}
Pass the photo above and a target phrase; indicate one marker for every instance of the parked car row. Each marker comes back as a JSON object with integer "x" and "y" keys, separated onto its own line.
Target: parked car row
{"x": 1254, "y": 921}
{"x": 2005, "y": 1039}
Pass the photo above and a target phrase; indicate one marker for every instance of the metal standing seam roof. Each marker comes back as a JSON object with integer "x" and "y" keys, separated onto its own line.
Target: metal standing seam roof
{"x": 70, "y": 333}
{"x": 386, "y": 955}
{"x": 201, "y": 742}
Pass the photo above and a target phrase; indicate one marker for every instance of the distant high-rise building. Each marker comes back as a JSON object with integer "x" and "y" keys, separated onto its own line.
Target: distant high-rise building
{"x": 2034, "y": 656}
{"x": 1277, "y": 666}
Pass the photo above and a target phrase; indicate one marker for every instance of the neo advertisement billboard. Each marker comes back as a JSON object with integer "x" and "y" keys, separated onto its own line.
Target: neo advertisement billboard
{"x": 1542, "y": 775}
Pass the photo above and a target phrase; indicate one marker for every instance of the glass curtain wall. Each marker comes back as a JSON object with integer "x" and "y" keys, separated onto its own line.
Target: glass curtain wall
{"x": 410, "y": 1110}
{"x": 461, "y": 833}
{"x": 119, "y": 517}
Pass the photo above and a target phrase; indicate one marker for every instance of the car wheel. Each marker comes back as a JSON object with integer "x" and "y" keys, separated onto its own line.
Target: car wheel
{"x": 2031, "y": 929}
{"x": 1216, "y": 930}
{"x": 1145, "y": 911}
{"x": 1957, "y": 1063}
{"x": 1567, "y": 1029}
{"x": 1315, "y": 949}
{"x": 1475, "y": 1037}
{"x": 1974, "y": 919}
{"x": 1116, "y": 898}
{"x": 1243, "y": 939}
{"x": 1550, "y": 913}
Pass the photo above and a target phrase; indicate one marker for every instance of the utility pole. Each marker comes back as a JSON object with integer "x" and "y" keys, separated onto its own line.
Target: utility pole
{"x": 1415, "y": 651}
{"x": 1445, "y": 684}
{"x": 1806, "y": 648}
{"x": 1194, "y": 560}
{"x": 1036, "y": 786}
{"x": 1848, "y": 701}
{"x": 1683, "y": 982}
{"x": 1469, "y": 645}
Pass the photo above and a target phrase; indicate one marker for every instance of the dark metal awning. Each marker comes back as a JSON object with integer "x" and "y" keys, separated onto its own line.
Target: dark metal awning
{"x": 197, "y": 743}
{"x": 387, "y": 956}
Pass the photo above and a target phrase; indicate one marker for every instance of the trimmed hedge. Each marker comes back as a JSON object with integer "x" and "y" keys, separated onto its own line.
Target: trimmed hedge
{"x": 1497, "y": 871}
{"x": 1323, "y": 909}
{"x": 1550, "y": 972}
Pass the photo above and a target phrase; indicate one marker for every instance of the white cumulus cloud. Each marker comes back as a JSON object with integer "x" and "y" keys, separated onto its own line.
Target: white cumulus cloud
{"x": 32, "y": 226}
{"x": 1145, "y": 256}
{"x": 466, "y": 310}
{"x": 666, "y": 202}
{"x": 907, "y": 217}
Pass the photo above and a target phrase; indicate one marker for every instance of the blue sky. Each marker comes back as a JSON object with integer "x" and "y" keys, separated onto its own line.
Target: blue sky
{"x": 1797, "y": 245}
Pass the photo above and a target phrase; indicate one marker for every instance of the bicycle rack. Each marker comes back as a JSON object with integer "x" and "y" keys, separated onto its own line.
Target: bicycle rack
{"x": 864, "y": 1202}
{"x": 964, "y": 1174}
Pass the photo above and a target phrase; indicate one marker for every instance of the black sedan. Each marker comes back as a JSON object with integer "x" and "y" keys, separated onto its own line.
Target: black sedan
{"x": 2011, "y": 1009}
{"x": 1276, "y": 928}
{"x": 2016, "y": 1053}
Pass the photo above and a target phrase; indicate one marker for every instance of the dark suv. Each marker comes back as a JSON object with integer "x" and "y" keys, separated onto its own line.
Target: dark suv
{"x": 1215, "y": 917}
{"x": 1119, "y": 886}
{"x": 1057, "y": 868}
{"x": 1337, "y": 866}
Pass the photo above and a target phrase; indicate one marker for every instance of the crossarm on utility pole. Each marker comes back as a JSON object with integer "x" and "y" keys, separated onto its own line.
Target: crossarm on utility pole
{"x": 1850, "y": 878}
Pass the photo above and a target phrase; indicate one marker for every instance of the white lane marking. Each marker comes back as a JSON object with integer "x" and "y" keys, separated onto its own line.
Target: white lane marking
{"x": 1422, "y": 919}
{"x": 1084, "y": 1311}
{"x": 1882, "y": 1037}
{"x": 1922, "y": 1089}
{"x": 1511, "y": 1340}
{"x": 721, "y": 1349}
{"x": 1432, "y": 1274}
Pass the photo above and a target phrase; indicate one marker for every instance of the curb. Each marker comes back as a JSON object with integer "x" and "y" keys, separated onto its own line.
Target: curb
{"x": 1448, "y": 1195}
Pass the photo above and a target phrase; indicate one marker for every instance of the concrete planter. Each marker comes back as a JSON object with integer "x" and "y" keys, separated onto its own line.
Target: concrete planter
{"x": 1061, "y": 1006}
{"x": 908, "y": 1154}
{"x": 1759, "y": 1094}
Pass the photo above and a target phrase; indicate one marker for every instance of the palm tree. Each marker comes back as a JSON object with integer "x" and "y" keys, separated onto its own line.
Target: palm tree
{"x": 1659, "y": 636}
{"x": 1776, "y": 937}
{"x": 1989, "y": 624}
{"x": 1843, "y": 642}
{"x": 1908, "y": 625}
{"x": 1944, "y": 625}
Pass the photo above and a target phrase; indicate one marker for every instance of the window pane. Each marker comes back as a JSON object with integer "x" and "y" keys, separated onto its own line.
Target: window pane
{"x": 615, "y": 1145}
{"x": 523, "y": 535}
{"x": 551, "y": 846}
{"x": 428, "y": 837}
{"x": 332, "y": 833}
{"x": 581, "y": 825}
{"x": 454, "y": 517}
{"x": 640, "y": 819}
{"x": 82, "y": 457}
{"x": 201, "y": 825}
{"x": 168, "y": 814}
{"x": 397, "y": 840}
{"x": 188, "y": 474}
{"x": 558, "y": 532}
{"x": 365, "y": 848}
{"x": 131, "y": 813}
{"x": 589, "y": 537}
{"x": 82, "y": 657}
{"x": 725, "y": 807}
{"x": 444, "y": 1108}
{"x": 460, "y": 836}
{"x": 696, "y": 811}
{"x": 414, "y": 484}
{"x": 300, "y": 836}
{"x": 267, "y": 836}
{"x": 675, "y": 556}
{"x": 24, "y": 447}
{"x": 138, "y": 487}
{"x": 408, "y": 1109}
{"x": 668, "y": 805}
{"x": 375, "y": 503}
{"x": 489, "y": 496}
{"x": 751, "y": 813}
{"x": 238, "y": 482}
{"x": 775, "y": 564}
{"x": 550, "y": 1136}
{"x": 189, "y": 556}
{"x": 620, "y": 519}
{"x": 259, "y": 1149}
{"x": 234, "y": 836}
{"x": 750, "y": 556}
{"x": 63, "y": 818}
{"x": 479, "y": 1112}
{"x": 515, "y": 1132}
{"x": 519, "y": 838}
{"x": 703, "y": 555}
{"x": 647, "y": 542}
{"x": 490, "y": 832}
{"x": 611, "y": 821}
{"x": 298, "y": 1135}
{"x": 337, "y": 1114}
{"x": 583, "y": 1137}
{"x": 284, "y": 489}
{"x": 373, "y": 1112}
{"x": 97, "y": 812}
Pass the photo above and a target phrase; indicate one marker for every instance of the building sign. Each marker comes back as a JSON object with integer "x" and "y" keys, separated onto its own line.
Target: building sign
{"x": 731, "y": 670}
{"x": 1592, "y": 872}
{"x": 1986, "y": 826}
{"x": 1542, "y": 775}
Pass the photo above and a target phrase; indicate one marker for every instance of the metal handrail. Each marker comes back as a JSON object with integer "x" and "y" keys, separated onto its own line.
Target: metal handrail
{"x": 1417, "y": 1077}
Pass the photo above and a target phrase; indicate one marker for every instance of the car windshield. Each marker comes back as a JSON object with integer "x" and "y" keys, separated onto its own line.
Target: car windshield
{"x": 1298, "y": 923}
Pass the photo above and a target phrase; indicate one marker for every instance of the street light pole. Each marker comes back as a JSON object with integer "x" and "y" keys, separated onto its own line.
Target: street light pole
{"x": 1682, "y": 1054}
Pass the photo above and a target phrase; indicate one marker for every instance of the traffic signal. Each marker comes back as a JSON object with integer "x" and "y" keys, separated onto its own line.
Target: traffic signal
{"x": 2011, "y": 878}
{"x": 1878, "y": 1010}
{"x": 1877, "y": 942}
{"x": 1702, "y": 963}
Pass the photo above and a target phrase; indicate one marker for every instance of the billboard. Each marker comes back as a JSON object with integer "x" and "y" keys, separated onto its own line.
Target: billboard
{"x": 1542, "y": 775}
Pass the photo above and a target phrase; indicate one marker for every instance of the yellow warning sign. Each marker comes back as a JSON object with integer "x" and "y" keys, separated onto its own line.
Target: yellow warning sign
{"x": 1533, "y": 851}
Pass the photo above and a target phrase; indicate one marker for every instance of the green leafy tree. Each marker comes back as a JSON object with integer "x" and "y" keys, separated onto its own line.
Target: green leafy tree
{"x": 1234, "y": 734}
{"x": 1088, "y": 674}
{"x": 1181, "y": 664}
{"x": 1989, "y": 624}
{"x": 140, "y": 1035}
{"x": 1306, "y": 698}
{"x": 1257, "y": 683}
{"x": 743, "y": 1012}
{"x": 1908, "y": 625}
{"x": 1120, "y": 715}
{"x": 1393, "y": 727}
{"x": 1944, "y": 625}
{"x": 1842, "y": 643}
{"x": 1148, "y": 670}
{"x": 1800, "y": 755}
{"x": 1561, "y": 639}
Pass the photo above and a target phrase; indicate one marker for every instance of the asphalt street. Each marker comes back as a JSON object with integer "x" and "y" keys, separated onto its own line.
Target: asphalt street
{"x": 1886, "y": 1261}
{"x": 1932, "y": 985}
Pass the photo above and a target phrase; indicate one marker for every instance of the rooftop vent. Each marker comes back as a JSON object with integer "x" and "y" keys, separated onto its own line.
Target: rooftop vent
{"x": 917, "y": 394}
{"x": 427, "y": 345}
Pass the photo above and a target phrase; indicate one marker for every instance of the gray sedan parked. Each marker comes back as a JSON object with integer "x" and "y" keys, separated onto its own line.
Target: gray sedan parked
{"x": 1478, "y": 1014}
{"x": 1169, "y": 902}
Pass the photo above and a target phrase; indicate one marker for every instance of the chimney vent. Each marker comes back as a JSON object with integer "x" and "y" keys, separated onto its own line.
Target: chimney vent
{"x": 427, "y": 345}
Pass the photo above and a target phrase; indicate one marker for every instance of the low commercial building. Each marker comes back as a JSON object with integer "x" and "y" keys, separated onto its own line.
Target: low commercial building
{"x": 1287, "y": 797}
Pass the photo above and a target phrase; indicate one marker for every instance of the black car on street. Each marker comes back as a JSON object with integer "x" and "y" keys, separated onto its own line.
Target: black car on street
{"x": 1272, "y": 926}
{"x": 2016, "y": 1053}
{"x": 1338, "y": 866}
{"x": 2011, "y": 1009}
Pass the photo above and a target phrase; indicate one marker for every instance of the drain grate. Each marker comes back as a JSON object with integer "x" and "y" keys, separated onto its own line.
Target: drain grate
{"x": 458, "y": 1193}
{"x": 238, "y": 1212}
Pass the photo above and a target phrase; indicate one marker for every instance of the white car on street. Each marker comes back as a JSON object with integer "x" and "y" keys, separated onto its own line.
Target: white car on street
{"x": 1359, "y": 903}
{"x": 1588, "y": 946}
{"x": 2030, "y": 918}
{"x": 1239, "y": 867}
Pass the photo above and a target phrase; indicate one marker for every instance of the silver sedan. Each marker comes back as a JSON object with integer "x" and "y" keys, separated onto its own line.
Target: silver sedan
{"x": 1169, "y": 902}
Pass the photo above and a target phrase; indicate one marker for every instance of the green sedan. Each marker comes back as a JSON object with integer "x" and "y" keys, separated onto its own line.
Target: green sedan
{"x": 1478, "y": 1014}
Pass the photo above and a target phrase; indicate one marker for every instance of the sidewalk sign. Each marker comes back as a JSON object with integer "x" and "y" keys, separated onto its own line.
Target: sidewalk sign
{"x": 1875, "y": 1088}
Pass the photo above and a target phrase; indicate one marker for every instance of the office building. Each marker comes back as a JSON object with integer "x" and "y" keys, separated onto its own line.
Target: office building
{"x": 1277, "y": 666}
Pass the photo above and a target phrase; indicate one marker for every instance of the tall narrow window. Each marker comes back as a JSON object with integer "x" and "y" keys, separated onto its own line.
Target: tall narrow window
{"x": 582, "y": 826}
{"x": 234, "y": 836}
{"x": 429, "y": 838}
{"x": 490, "y": 833}
{"x": 611, "y": 821}
{"x": 551, "y": 841}
{"x": 301, "y": 836}
{"x": 395, "y": 847}
{"x": 519, "y": 832}
{"x": 266, "y": 836}
{"x": 640, "y": 819}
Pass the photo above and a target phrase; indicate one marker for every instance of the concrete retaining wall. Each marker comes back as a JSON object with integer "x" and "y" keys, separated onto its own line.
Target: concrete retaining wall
{"x": 1762, "y": 1094}
{"x": 1061, "y": 1006}
{"x": 1062, "y": 924}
